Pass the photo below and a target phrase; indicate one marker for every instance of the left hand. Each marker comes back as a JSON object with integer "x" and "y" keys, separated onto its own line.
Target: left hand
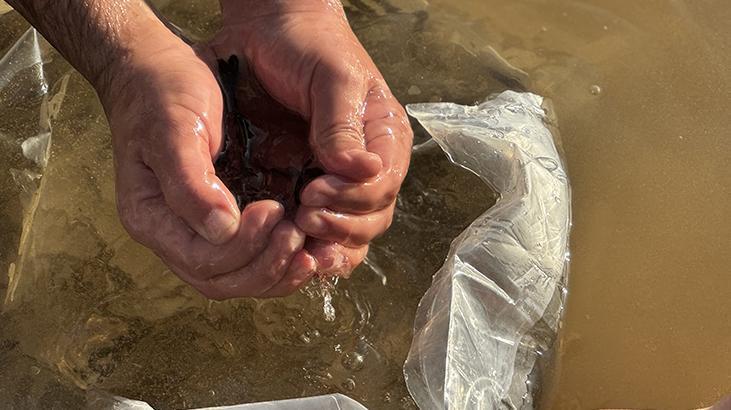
{"x": 307, "y": 58}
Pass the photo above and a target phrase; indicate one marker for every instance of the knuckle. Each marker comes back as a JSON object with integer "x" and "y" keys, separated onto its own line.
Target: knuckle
{"x": 341, "y": 73}
{"x": 368, "y": 202}
{"x": 276, "y": 271}
{"x": 388, "y": 196}
{"x": 181, "y": 183}
{"x": 341, "y": 132}
{"x": 381, "y": 198}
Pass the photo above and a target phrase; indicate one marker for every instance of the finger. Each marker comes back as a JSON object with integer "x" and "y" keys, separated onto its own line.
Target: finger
{"x": 263, "y": 273}
{"x": 336, "y": 123}
{"x": 301, "y": 270}
{"x": 145, "y": 214}
{"x": 203, "y": 260}
{"x": 387, "y": 130}
{"x": 341, "y": 195}
{"x": 181, "y": 161}
{"x": 389, "y": 135}
{"x": 347, "y": 229}
{"x": 334, "y": 259}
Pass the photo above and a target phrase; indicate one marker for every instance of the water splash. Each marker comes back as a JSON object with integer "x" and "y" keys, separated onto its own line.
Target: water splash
{"x": 324, "y": 287}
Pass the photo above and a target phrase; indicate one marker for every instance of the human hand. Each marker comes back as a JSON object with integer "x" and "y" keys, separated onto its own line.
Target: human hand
{"x": 164, "y": 107}
{"x": 308, "y": 59}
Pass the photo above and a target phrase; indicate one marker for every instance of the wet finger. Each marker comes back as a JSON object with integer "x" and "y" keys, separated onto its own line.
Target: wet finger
{"x": 347, "y": 229}
{"x": 336, "y": 124}
{"x": 388, "y": 134}
{"x": 263, "y": 273}
{"x": 341, "y": 195}
{"x": 182, "y": 164}
{"x": 146, "y": 216}
{"x": 334, "y": 259}
{"x": 301, "y": 270}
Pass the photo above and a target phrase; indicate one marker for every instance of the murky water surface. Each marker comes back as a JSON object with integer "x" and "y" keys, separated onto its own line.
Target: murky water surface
{"x": 641, "y": 90}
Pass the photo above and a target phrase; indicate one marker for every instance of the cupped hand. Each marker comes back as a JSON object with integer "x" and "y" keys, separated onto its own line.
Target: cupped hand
{"x": 164, "y": 108}
{"x": 307, "y": 58}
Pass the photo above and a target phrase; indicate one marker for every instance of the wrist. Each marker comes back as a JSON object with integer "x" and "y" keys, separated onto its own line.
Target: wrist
{"x": 137, "y": 54}
{"x": 140, "y": 37}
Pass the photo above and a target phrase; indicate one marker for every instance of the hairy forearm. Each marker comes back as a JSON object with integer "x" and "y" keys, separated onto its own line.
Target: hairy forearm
{"x": 92, "y": 35}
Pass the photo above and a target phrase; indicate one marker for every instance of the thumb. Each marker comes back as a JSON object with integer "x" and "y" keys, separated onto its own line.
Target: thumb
{"x": 336, "y": 124}
{"x": 185, "y": 172}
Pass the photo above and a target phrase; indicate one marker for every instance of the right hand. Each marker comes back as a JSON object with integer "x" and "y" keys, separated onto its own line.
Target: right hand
{"x": 164, "y": 108}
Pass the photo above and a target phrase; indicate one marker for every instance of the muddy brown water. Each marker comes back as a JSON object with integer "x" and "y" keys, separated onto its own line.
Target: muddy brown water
{"x": 641, "y": 91}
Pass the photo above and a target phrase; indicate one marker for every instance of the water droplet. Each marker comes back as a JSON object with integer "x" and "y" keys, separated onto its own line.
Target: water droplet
{"x": 353, "y": 361}
{"x": 595, "y": 90}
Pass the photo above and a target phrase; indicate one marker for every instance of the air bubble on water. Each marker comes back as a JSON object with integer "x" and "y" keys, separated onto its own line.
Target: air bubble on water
{"x": 349, "y": 384}
{"x": 595, "y": 90}
{"x": 353, "y": 361}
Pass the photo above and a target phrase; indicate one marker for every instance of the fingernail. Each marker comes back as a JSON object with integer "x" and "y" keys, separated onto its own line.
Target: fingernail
{"x": 220, "y": 226}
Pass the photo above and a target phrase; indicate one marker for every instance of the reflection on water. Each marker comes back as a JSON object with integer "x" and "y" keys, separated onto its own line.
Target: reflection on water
{"x": 640, "y": 90}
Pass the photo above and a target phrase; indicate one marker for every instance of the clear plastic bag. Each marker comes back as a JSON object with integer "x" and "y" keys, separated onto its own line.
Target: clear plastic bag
{"x": 494, "y": 306}
{"x": 29, "y": 100}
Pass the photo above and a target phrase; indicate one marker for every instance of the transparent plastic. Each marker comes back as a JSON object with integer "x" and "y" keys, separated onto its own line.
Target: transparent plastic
{"x": 494, "y": 306}
{"x": 103, "y": 400}
{"x": 26, "y": 97}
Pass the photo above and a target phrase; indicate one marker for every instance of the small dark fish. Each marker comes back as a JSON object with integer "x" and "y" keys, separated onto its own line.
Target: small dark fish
{"x": 265, "y": 152}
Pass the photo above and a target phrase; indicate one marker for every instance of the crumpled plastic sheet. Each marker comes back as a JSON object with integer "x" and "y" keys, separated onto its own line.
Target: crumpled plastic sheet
{"x": 494, "y": 306}
{"x": 24, "y": 85}
{"x": 104, "y": 400}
